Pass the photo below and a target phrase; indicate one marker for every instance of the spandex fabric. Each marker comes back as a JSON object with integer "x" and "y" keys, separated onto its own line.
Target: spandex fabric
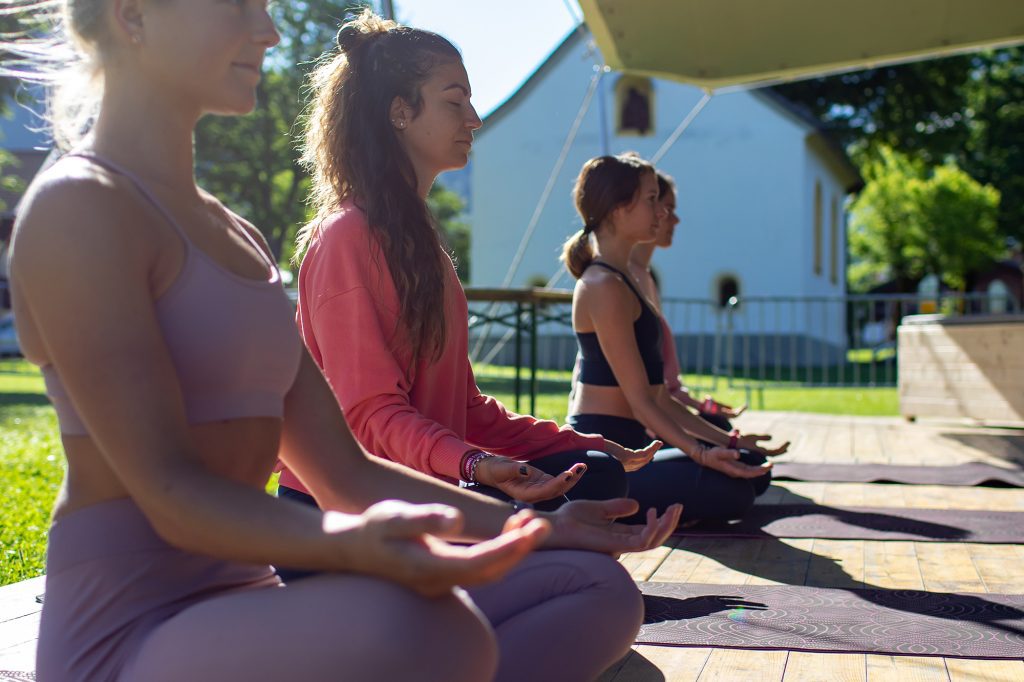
{"x": 673, "y": 477}
{"x": 111, "y": 581}
{"x": 559, "y": 616}
{"x": 232, "y": 339}
{"x": 594, "y": 367}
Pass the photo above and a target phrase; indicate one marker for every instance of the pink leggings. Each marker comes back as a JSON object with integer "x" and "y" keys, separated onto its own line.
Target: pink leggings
{"x": 123, "y": 605}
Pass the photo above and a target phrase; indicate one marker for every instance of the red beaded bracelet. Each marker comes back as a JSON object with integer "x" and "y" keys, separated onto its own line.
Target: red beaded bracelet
{"x": 734, "y": 438}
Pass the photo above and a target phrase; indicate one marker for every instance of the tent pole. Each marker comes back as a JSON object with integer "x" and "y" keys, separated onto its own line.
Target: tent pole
{"x": 671, "y": 140}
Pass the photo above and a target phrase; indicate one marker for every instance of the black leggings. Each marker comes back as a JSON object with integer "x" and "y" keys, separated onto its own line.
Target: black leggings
{"x": 605, "y": 478}
{"x": 673, "y": 477}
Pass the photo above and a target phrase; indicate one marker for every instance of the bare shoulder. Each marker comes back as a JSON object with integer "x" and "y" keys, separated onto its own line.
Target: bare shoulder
{"x": 78, "y": 211}
{"x": 601, "y": 284}
{"x": 251, "y": 229}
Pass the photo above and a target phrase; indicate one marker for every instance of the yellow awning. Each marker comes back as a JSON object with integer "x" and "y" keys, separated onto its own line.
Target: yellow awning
{"x": 717, "y": 43}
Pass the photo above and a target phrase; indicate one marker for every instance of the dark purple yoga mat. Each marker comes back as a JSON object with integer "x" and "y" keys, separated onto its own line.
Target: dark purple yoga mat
{"x": 16, "y": 676}
{"x": 868, "y": 523}
{"x": 901, "y": 622}
{"x": 969, "y": 474}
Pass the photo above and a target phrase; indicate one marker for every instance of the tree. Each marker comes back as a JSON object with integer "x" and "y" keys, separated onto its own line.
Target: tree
{"x": 252, "y": 162}
{"x": 448, "y": 208}
{"x": 912, "y": 220}
{"x": 994, "y": 149}
{"x": 967, "y": 108}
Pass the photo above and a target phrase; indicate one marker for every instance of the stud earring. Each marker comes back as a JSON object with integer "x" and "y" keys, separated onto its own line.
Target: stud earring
{"x": 136, "y": 39}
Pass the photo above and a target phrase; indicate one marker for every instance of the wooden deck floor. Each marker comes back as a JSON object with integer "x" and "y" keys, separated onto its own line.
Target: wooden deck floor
{"x": 823, "y": 563}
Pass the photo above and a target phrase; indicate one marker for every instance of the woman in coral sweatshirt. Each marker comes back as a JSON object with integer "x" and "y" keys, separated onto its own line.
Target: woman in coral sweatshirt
{"x": 380, "y": 306}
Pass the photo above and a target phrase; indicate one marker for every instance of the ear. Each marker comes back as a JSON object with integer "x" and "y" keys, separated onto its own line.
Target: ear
{"x": 128, "y": 20}
{"x": 400, "y": 113}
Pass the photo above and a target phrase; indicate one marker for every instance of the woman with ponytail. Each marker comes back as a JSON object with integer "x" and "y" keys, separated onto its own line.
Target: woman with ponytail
{"x": 718, "y": 429}
{"x": 380, "y": 306}
{"x": 620, "y": 390}
{"x": 170, "y": 353}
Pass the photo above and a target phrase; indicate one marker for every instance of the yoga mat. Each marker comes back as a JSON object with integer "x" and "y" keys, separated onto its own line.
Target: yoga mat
{"x": 868, "y": 523}
{"x": 901, "y": 622}
{"x": 969, "y": 474}
{"x": 15, "y": 676}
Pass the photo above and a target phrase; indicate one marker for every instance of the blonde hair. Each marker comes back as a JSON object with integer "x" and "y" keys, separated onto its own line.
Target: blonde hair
{"x": 57, "y": 45}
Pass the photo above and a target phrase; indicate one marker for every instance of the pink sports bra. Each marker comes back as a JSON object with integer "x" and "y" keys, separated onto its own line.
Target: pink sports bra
{"x": 232, "y": 339}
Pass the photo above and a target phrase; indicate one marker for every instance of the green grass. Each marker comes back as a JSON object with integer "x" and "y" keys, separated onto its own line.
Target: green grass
{"x": 32, "y": 463}
{"x": 553, "y": 391}
{"x": 31, "y": 469}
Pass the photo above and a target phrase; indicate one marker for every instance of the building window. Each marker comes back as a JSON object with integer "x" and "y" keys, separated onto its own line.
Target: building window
{"x": 728, "y": 288}
{"x": 634, "y": 106}
{"x": 833, "y": 243}
{"x": 998, "y": 297}
{"x": 817, "y": 227}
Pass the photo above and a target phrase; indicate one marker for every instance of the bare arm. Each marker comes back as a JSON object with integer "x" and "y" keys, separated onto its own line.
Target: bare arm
{"x": 86, "y": 278}
{"x": 608, "y": 303}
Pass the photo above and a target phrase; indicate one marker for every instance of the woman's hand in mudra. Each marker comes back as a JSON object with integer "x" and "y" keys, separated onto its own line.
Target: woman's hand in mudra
{"x": 400, "y": 542}
{"x": 525, "y": 483}
{"x": 750, "y": 441}
{"x": 632, "y": 460}
{"x": 728, "y": 462}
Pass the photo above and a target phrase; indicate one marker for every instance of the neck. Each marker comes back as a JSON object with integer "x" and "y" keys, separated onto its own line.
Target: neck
{"x": 148, "y": 134}
{"x": 424, "y": 181}
{"x": 612, "y": 249}
{"x": 642, "y": 254}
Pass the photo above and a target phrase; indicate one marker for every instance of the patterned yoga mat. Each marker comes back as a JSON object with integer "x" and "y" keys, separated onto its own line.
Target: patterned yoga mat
{"x": 901, "y": 622}
{"x": 16, "y": 676}
{"x": 969, "y": 474}
{"x": 868, "y": 523}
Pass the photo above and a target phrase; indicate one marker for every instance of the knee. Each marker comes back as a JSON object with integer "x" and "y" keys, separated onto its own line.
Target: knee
{"x": 605, "y": 477}
{"x": 470, "y": 649}
{"x": 620, "y": 599}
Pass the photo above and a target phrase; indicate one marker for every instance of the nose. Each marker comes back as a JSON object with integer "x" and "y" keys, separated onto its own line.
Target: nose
{"x": 264, "y": 32}
{"x": 473, "y": 121}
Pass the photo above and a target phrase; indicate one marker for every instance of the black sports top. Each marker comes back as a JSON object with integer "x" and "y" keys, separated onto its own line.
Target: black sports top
{"x": 594, "y": 367}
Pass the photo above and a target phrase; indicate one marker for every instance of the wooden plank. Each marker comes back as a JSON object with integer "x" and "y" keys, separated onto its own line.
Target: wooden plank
{"x": 21, "y": 657}
{"x": 807, "y": 667}
{"x": 967, "y": 670}
{"x": 905, "y": 669}
{"x": 642, "y": 565}
{"x": 947, "y": 567}
{"x": 736, "y": 665}
{"x": 661, "y": 663}
{"x": 892, "y": 565}
{"x": 836, "y": 563}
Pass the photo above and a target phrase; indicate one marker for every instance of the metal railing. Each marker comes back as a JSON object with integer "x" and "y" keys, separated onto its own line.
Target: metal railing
{"x": 750, "y": 343}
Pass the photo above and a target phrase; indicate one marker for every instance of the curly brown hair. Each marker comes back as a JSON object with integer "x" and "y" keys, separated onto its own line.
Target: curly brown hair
{"x": 354, "y": 154}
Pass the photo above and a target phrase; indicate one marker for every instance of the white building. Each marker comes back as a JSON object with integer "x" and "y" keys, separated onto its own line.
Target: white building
{"x": 761, "y": 193}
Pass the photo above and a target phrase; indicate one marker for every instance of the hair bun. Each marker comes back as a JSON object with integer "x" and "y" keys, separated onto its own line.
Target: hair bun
{"x": 349, "y": 37}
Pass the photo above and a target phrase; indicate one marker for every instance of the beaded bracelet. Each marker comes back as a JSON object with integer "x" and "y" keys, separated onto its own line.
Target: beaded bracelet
{"x": 469, "y": 465}
{"x": 734, "y": 438}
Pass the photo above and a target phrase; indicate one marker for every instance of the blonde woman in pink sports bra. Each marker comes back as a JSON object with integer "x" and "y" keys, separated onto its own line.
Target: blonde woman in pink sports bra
{"x": 170, "y": 353}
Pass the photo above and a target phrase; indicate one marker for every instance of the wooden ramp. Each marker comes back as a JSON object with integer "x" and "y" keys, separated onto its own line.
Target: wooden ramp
{"x": 825, "y": 563}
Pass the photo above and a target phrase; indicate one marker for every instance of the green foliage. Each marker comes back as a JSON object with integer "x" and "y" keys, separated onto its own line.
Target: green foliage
{"x": 447, "y": 209}
{"x": 251, "y": 163}
{"x": 968, "y": 108}
{"x": 994, "y": 149}
{"x": 910, "y": 221}
{"x": 31, "y": 469}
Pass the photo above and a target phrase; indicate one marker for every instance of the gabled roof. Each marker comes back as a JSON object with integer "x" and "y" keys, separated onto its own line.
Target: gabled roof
{"x": 818, "y": 139}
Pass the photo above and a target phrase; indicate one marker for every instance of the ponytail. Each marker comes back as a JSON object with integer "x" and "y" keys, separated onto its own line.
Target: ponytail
{"x": 578, "y": 252}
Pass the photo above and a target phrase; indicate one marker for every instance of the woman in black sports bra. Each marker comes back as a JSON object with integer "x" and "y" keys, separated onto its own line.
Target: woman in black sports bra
{"x": 621, "y": 391}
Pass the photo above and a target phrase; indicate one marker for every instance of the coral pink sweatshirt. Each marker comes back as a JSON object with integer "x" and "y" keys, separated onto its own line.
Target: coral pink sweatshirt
{"x": 425, "y": 415}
